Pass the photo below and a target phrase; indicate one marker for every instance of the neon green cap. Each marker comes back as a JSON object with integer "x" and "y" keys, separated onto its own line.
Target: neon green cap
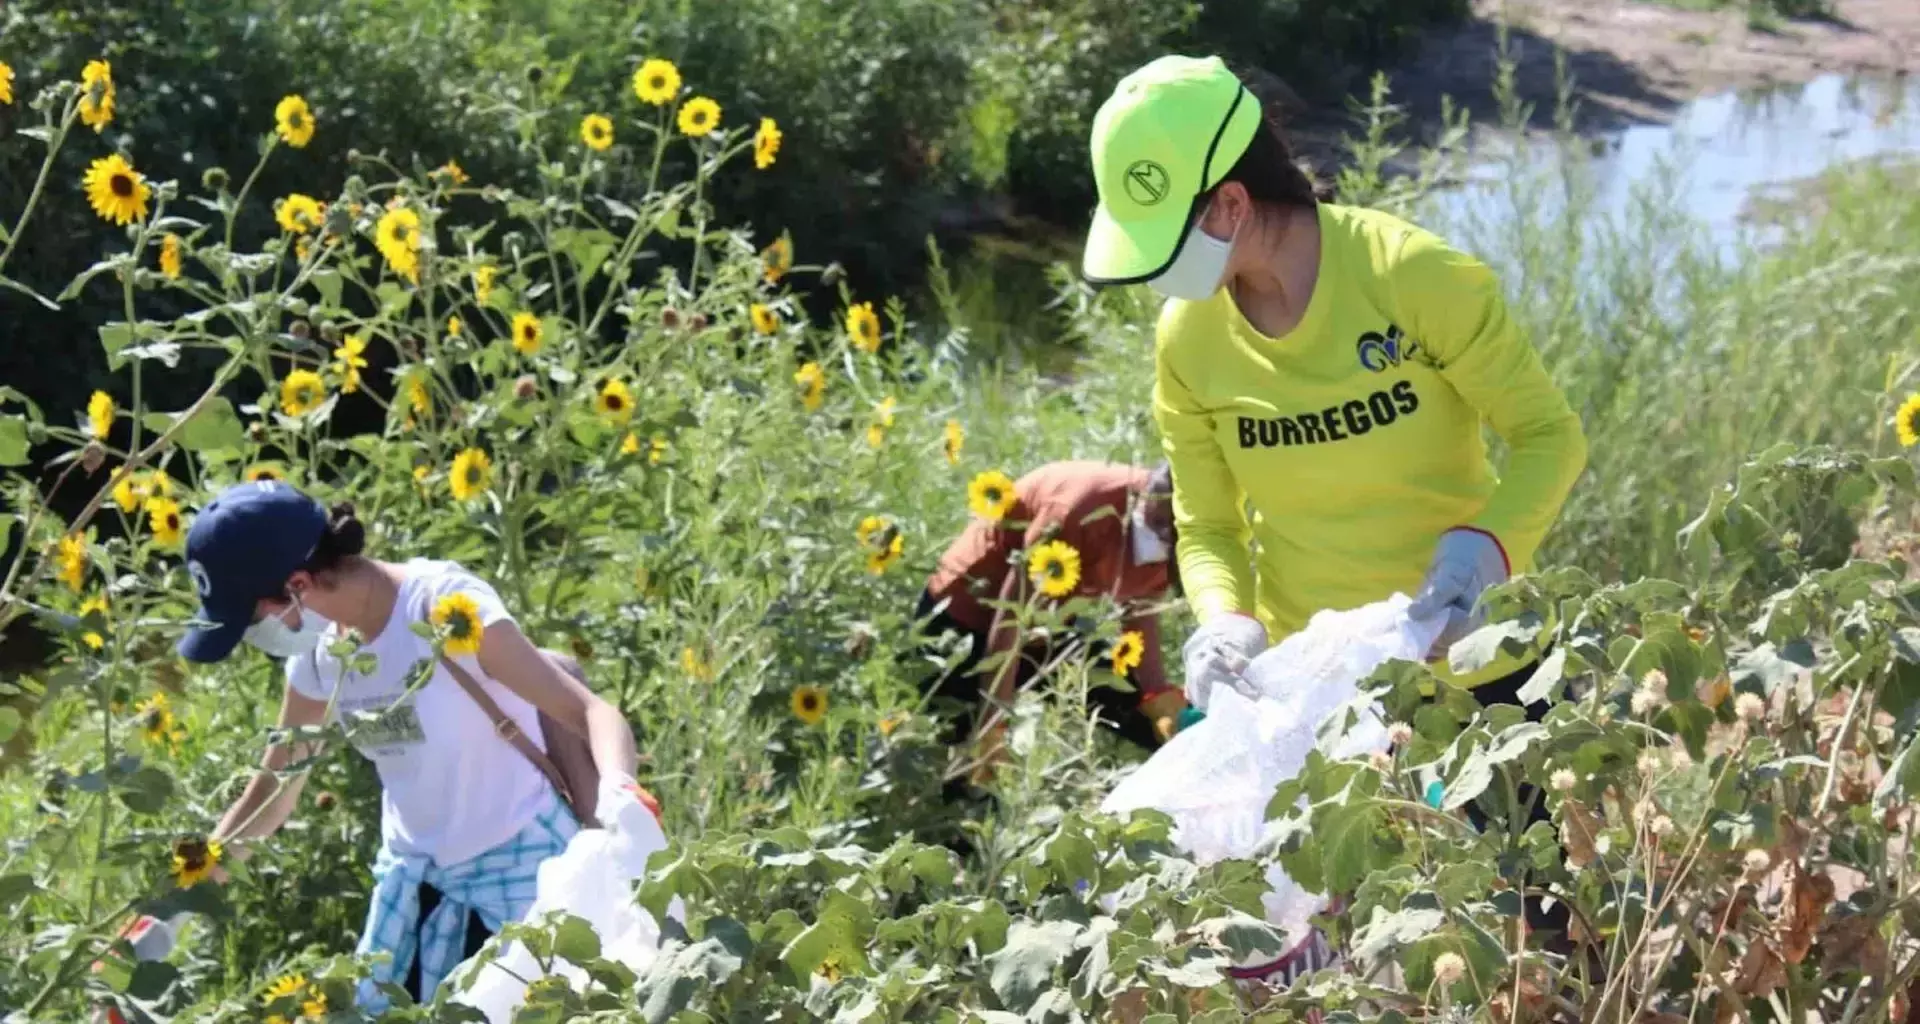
{"x": 1170, "y": 131}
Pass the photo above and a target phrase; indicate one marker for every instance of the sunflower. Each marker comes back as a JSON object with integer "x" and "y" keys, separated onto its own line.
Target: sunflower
{"x": 777, "y": 259}
{"x": 882, "y": 540}
{"x": 766, "y": 143}
{"x": 526, "y": 333}
{"x": 348, "y": 360}
{"x": 100, "y": 413}
{"x": 1906, "y": 422}
{"x": 813, "y": 385}
{"x": 163, "y": 514}
{"x": 614, "y": 403}
{"x": 809, "y": 704}
{"x": 656, "y": 81}
{"x": 829, "y": 970}
{"x": 133, "y": 491}
{"x": 700, "y": 116}
{"x": 299, "y": 214}
{"x": 483, "y": 283}
{"x": 154, "y": 718}
{"x": 454, "y": 172}
{"x": 73, "y": 561}
{"x": 92, "y": 605}
{"x": 314, "y": 1007}
{"x": 657, "y": 450}
{"x": 880, "y": 558}
{"x": 96, "y": 94}
{"x": 954, "y": 440}
{"x": 419, "y": 400}
{"x": 284, "y": 987}
{"x": 695, "y": 666}
{"x": 6, "y": 82}
{"x": 472, "y": 474}
{"x": 596, "y": 131}
{"x": 302, "y": 392}
{"x": 863, "y": 326}
{"x": 891, "y": 722}
{"x": 453, "y": 327}
{"x": 293, "y": 122}
{"x": 1128, "y": 652}
{"x": 194, "y": 859}
{"x": 460, "y": 618}
{"x": 630, "y": 444}
{"x": 264, "y": 471}
{"x": 398, "y": 239}
{"x": 765, "y": 320}
{"x": 116, "y": 191}
{"x": 990, "y": 495}
{"x": 397, "y": 236}
{"x": 1055, "y": 568}
{"x": 170, "y": 256}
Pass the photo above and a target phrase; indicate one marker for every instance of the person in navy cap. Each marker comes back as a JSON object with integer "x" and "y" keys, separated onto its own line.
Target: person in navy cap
{"x": 466, "y": 818}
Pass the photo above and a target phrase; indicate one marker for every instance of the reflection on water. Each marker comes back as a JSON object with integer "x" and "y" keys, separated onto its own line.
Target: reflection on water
{"x": 1717, "y": 154}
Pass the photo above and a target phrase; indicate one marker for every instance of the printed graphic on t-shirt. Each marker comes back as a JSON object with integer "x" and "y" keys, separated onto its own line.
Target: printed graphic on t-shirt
{"x": 382, "y": 727}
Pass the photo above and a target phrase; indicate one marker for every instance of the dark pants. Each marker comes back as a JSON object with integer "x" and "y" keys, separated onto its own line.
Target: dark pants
{"x": 961, "y": 688}
{"x": 1506, "y": 690}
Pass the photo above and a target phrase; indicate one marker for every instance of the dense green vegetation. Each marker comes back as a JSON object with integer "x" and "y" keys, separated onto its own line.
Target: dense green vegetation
{"x": 1746, "y": 719}
{"x": 902, "y": 117}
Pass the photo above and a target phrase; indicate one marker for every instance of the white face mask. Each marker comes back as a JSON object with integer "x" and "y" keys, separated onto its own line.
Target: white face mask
{"x": 275, "y": 637}
{"x": 1196, "y": 273}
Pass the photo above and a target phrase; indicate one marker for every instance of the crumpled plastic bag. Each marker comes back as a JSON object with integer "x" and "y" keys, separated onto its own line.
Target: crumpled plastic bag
{"x": 1215, "y": 778}
{"x": 593, "y": 879}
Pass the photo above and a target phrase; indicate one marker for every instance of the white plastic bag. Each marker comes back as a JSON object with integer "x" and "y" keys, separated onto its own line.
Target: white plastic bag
{"x": 1216, "y": 777}
{"x": 593, "y": 879}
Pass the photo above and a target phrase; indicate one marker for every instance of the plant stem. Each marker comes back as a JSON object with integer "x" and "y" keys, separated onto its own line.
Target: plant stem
{"x": 40, "y": 182}
{"x": 240, "y": 200}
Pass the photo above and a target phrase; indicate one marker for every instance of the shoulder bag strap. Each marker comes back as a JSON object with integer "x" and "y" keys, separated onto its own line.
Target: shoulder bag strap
{"x": 509, "y": 730}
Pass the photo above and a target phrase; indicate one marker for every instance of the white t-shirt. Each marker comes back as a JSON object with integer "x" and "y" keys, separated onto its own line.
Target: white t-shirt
{"x": 452, "y": 787}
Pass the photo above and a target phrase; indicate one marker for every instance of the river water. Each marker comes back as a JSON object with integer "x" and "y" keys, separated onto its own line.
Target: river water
{"x": 1710, "y": 163}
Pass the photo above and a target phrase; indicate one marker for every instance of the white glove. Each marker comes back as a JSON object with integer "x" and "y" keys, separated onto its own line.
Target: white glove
{"x": 1467, "y": 562}
{"x": 617, "y": 789}
{"x": 1218, "y": 652}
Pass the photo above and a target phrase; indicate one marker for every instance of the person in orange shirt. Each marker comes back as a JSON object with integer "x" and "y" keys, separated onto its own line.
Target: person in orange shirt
{"x": 1119, "y": 519}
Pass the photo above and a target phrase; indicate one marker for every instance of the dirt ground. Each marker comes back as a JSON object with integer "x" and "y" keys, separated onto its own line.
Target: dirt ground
{"x": 1635, "y": 62}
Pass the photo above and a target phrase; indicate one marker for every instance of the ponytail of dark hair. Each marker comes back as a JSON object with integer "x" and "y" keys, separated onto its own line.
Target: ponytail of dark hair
{"x": 345, "y": 538}
{"x": 1269, "y": 170}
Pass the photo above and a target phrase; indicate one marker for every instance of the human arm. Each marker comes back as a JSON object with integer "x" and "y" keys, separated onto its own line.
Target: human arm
{"x": 269, "y": 799}
{"x": 1209, "y": 506}
{"x": 510, "y": 658}
{"x": 1454, "y": 309}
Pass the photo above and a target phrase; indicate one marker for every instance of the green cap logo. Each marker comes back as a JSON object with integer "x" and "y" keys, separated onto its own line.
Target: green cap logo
{"x": 1147, "y": 183}
{"x": 1170, "y": 132}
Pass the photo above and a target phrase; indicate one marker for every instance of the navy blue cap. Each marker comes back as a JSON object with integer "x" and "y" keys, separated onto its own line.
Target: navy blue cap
{"x": 243, "y": 546}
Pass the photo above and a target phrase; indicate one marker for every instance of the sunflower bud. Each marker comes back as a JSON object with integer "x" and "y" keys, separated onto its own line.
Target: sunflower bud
{"x": 535, "y": 73}
{"x": 214, "y": 179}
{"x": 93, "y": 457}
{"x": 257, "y": 432}
{"x": 669, "y": 318}
{"x": 698, "y": 321}
{"x": 581, "y": 648}
{"x": 353, "y": 155}
{"x": 326, "y": 801}
{"x": 301, "y": 330}
{"x": 329, "y": 332}
{"x": 526, "y": 388}
{"x": 832, "y": 274}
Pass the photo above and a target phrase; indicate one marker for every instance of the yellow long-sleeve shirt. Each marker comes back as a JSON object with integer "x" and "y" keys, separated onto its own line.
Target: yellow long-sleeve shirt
{"x": 1356, "y": 439}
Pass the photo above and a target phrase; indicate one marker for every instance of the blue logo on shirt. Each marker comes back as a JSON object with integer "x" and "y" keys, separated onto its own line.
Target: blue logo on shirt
{"x": 1381, "y": 352}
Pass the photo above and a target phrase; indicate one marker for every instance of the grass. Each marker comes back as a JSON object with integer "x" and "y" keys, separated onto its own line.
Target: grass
{"x": 1682, "y": 363}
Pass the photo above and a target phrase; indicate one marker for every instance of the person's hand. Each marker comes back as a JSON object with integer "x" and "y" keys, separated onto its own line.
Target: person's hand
{"x": 1218, "y": 652}
{"x": 617, "y": 789}
{"x": 1163, "y": 710}
{"x": 1465, "y": 564}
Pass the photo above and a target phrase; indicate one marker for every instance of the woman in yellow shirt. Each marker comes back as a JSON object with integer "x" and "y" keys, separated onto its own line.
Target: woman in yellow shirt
{"x": 1323, "y": 374}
